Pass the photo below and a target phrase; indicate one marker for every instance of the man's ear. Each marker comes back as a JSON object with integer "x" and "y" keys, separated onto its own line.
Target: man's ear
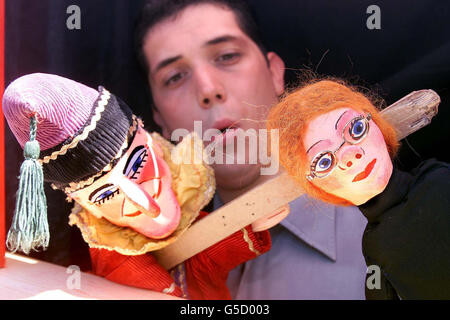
{"x": 276, "y": 67}
{"x": 160, "y": 122}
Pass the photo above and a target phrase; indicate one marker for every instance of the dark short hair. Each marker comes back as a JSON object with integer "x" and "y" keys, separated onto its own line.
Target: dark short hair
{"x": 155, "y": 11}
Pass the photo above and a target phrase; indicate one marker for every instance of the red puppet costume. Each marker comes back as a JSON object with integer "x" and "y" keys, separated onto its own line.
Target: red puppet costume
{"x": 134, "y": 192}
{"x": 201, "y": 277}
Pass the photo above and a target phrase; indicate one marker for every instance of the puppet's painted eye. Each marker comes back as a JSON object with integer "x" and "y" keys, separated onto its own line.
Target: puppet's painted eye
{"x": 358, "y": 129}
{"x": 323, "y": 164}
{"x": 135, "y": 162}
{"x": 104, "y": 193}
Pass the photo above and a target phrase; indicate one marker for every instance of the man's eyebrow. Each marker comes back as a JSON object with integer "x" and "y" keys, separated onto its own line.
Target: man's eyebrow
{"x": 225, "y": 38}
{"x": 335, "y": 126}
{"x": 313, "y": 145}
{"x": 166, "y": 62}
{"x": 221, "y": 39}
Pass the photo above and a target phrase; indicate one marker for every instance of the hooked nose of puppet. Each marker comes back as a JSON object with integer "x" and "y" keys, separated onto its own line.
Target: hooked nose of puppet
{"x": 137, "y": 200}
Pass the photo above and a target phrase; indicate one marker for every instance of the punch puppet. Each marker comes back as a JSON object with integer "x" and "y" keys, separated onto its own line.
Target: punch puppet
{"x": 130, "y": 196}
{"x": 339, "y": 149}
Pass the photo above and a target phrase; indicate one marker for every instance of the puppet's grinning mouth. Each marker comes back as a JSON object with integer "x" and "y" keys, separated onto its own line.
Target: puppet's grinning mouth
{"x": 137, "y": 213}
{"x": 362, "y": 175}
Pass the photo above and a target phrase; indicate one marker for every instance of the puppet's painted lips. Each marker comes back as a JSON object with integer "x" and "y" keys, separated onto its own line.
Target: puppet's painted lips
{"x": 362, "y": 175}
{"x": 137, "y": 213}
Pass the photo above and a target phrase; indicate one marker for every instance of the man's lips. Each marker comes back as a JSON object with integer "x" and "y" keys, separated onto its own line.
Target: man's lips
{"x": 364, "y": 174}
{"x": 223, "y": 124}
{"x": 226, "y": 134}
{"x": 226, "y": 127}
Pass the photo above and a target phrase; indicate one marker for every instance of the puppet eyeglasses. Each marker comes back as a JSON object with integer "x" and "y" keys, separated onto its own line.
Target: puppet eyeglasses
{"x": 353, "y": 133}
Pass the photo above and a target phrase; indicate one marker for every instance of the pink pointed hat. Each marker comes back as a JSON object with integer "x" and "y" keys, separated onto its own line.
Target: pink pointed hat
{"x": 61, "y": 106}
{"x": 80, "y": 130}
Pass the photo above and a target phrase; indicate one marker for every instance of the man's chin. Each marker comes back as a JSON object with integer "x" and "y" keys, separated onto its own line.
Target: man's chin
{"x": 236, "y": 176}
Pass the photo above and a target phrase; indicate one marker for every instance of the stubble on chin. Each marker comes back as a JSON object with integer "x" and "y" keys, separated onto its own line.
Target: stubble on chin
{"x": 235, "y": 176}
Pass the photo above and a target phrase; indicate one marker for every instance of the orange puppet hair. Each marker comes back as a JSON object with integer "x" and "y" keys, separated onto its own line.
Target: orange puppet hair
{"x": 298, "y": 107}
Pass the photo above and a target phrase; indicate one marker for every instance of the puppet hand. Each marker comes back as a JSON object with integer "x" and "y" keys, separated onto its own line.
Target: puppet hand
{"x": 271, "y": 219}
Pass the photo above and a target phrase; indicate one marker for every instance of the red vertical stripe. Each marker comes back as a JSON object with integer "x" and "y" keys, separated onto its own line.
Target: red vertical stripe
{"x": 2, "y": 135}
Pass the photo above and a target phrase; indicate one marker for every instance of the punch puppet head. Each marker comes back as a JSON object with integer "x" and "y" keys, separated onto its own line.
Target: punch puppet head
{"x": 334, "y": 142}
{"x": 130, "y": 196}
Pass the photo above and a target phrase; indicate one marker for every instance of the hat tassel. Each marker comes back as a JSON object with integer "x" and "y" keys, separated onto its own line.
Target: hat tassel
{"x": 29, "y": 229}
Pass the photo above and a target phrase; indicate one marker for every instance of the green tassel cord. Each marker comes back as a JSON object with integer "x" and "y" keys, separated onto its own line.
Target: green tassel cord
{"x": 29, "y": 229}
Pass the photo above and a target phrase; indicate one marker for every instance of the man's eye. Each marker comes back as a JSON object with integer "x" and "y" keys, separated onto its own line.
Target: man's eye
{"x": 135, "y": 162}
{"x": 174, "y": 79}
{"x": 228, "y": 57}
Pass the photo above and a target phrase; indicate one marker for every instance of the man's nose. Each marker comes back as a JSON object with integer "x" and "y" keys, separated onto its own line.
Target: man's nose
{"x": 350, "y": 156}
{"x": 209, "y": 87}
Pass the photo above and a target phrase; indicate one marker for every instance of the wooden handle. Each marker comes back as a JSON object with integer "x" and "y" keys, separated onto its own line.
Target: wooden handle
{"x": 412, "y": 112}
{"x": 407, "y": 115}
{"x": 235, "y": 215}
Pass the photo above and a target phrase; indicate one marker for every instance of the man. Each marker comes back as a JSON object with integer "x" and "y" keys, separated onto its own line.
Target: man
{"x": 204, "y": 62}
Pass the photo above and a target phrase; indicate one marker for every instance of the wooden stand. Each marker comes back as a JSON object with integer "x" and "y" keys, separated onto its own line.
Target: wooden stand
{"x": 25, "y": 278}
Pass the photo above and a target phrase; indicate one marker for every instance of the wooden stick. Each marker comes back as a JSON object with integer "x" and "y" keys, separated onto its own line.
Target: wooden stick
{"x": 412, "y": 112}
{"x": 407, "y": 115}
{"x": 235, "y": 215}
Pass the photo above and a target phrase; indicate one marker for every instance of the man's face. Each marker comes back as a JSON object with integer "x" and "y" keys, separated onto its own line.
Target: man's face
{"x": 203, "y": 67}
